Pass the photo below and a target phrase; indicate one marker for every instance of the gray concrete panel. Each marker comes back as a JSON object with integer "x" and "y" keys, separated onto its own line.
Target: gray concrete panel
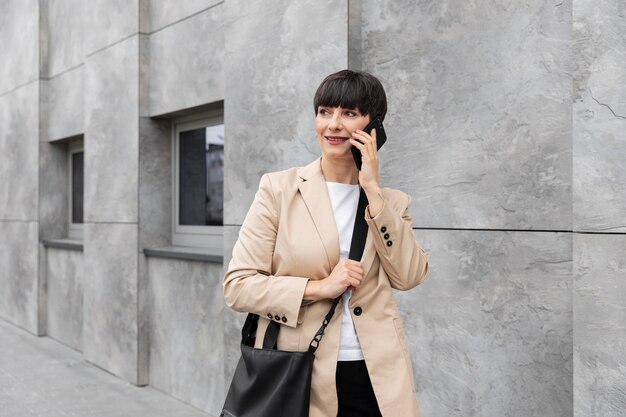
{"x": 109, "y": 21}
{"x": 490, "y": 330}
{"x": 599, "y": 325}
{"x": 110, "y": 322}
{"x": 479, "y": 120}
{"x": 65, "y": 34}
{"x": 600, "y": 116}
{"x": 19, "y": 35}
{"x": 186, "y": 77}
{"x": 233, "y": 321}
{"x": 186, "y": 337}
{"x": 155, "y": 183}
{"x": 112, "y": 132}
{"x": 53, "y": 190}
{"x": 163, "y": 12}
{"x": 64, "y": 273}
{"x": 66, "y": 104}
{"x": 276, "y": 56}
{"x": 19, "y": 145}
{"x": 18, "y": 274}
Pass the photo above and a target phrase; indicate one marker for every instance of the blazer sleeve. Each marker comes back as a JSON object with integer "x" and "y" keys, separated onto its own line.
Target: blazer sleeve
{"x": 248, "y": 284}
{"x": 402, "y": 258}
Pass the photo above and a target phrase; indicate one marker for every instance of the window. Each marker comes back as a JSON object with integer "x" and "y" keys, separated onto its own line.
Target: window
{"x": 76, "y": 191}
{"x": 198, "y": 181}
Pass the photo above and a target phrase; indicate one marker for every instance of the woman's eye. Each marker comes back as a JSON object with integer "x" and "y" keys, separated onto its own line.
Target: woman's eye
{"x": 351, "y": 113}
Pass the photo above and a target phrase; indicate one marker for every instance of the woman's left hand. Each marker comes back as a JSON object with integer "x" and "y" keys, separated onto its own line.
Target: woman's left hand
{"x": 368, "y": 176}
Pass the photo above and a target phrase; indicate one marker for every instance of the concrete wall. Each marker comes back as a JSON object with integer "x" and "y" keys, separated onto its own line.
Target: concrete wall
{"x": 65, "y": 272}
{"x": 517, "y": 180}
{"x": 599, "y": 193}
{"x": 19, "y": 150}
{"x": 186, "y": 337}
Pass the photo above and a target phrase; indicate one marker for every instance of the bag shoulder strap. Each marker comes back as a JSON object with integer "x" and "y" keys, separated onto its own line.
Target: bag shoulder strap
{"x": 359, "y": 234}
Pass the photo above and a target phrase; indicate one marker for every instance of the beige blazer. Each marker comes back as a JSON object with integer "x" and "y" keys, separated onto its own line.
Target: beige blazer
{"x": 288, "y": 237}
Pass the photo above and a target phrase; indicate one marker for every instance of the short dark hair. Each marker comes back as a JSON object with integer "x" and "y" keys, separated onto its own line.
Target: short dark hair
{"x": 352, "y": 89}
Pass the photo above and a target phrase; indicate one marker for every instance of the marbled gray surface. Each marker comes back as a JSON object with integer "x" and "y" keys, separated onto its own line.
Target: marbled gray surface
{"x": 66, "y": 104}
{"x": 490, "y": 330}
{"x": 18, "y": 273}
{"x": 110, "y": 298}
{"x": 600, "y": 115}
{"x": 54, "y": 189}
{"x": 155, "y": 183}
{"x": 233, "y": 321}
{"x": 109, "y": 21}
{"x": 19, "y": 35}
{"x": 164, "y": 12}
{"x": 479, "y": 119}
{"x": 19, "y": 144}
{"x": 599, "y": 325}
{"x": 181, "y": 78}
{"x": 66, "y": 32}
{"x": 186, "y": 331}
{"x": 112, "y": 132}
{"x": 65, "y": 275}
{"x": 274, "y": 64}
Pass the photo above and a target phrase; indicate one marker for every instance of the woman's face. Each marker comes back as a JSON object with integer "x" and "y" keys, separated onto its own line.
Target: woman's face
{"x": 334, "y": 125}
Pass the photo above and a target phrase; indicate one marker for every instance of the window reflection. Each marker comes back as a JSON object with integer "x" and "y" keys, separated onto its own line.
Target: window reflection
{"x": 201, "y": 176}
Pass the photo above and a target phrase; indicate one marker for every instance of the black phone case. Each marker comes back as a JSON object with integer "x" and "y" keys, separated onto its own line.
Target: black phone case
{"x": 381, "y": 138}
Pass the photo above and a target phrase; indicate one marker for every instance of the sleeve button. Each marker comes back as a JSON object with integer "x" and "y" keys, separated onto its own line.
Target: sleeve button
{"x": 383, "y": 229}
{"x": 277, "y": 318}
{"x": 270, "y": 316}
{"x": 389, "y": 243}
{"x": 284, "y": 319}
{"x": 386, "y": 235}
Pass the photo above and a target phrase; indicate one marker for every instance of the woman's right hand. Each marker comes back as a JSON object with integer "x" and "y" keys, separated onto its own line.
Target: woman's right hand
{"x": 346, "y": 274}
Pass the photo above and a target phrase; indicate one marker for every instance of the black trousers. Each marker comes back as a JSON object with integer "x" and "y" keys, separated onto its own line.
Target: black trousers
{"x": 354, "y": 390}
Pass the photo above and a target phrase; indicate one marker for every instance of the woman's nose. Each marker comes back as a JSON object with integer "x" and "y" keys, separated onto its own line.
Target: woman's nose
{"x": 335, "y": 122}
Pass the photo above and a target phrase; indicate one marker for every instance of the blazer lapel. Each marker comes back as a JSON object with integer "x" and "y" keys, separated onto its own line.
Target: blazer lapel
{"x": 315, "y": 195}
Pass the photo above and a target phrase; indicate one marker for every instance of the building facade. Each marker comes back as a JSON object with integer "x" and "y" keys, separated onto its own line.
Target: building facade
{"x": 133, "y": 135}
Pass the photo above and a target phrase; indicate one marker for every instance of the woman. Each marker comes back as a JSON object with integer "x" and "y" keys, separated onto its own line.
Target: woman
{"x": 291, "y": 260}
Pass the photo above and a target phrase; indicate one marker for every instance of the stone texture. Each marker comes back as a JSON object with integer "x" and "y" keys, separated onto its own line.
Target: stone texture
{"x": 65, "y": 35}
{"x": 19, "y": 145}
{"x": 599, "y": 325}
{"x": 274, "y": 64}
{"x": 490, "y": 330}
{"x": 19, "y": 29}
{"x": 600, "y": 115}
{"x": 479, "y": 119}
{"x": 18, "y": 273}
{"x": 155, "y": 183}
{"x": 233, "y": 321}
{"x": 112, "y": 131}
{"x": 109, "y": 21}
{"x": 110, "y": 298}
{"x": 65, "y": 274}
{"x": 66, "y": 104}
{"x": 181, "y": 78}
{"x": 163, "y": 12}
{"x": 186, "y": 331}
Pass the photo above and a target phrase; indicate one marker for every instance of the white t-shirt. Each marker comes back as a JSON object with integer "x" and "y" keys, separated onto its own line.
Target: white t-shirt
{"x": 345, "y": 199}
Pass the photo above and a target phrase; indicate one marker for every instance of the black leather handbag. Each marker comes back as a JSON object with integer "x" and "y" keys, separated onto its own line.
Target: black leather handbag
{"x": 275, "y": 383}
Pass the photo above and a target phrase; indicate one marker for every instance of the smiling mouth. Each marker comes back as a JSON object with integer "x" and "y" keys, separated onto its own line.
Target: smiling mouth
{"x": 336, "y": 139}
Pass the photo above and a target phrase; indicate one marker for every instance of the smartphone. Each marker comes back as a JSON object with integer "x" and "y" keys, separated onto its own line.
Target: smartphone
{"x": 381, "y": 138}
